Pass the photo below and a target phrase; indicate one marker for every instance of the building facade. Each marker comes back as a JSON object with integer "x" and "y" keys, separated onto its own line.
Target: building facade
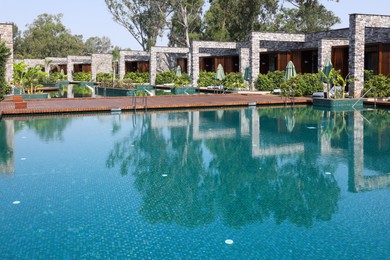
{"x": 364, "y": 45}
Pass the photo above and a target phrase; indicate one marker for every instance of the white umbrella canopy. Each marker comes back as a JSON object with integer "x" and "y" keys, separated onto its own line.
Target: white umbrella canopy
{"x": 220, "y": 73}
{"x": 290, "y": 71}
{"x": 178, "y": 71}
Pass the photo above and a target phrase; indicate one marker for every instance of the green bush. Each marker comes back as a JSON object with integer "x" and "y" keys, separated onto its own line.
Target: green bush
{"x": 378, "y": 85}
{"x": 102, "y": 76}
{"x": 207, "y": 79}
{"x": 233, "y": 80}
{"x": 181, "y": 81}
{"x": 137, "y": 77}
{"x": 270, "y": 81}
{"x": 302, "y": 85}
{"x": 82, "y": 76}
{"x": 165, "y": 77}
{"x": 81, "y": 91}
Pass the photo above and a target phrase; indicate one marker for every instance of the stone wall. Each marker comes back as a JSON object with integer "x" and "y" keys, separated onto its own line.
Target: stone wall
{"x": 209, "y": 48}
{"x": 130, "y": 56}
{"x": 164, "y": 58}
{"x": 358, "y": 24}
{"x": 101, "y": 63}
{"x": 6, "y": 35}
{"x": 258, "y": 39}
{"x": 76, "y": 60}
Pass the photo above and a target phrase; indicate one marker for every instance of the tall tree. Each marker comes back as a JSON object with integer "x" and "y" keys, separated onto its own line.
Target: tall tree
{"x": 232, "y": 20}
{"x": 98, "y": 45}
{"x": 306, "y": 16}
{"x": 185, "y": 22}
{"x": 144, "y": 19}
{"x": 17, "y": 40}
{"x": 48, "y": 37}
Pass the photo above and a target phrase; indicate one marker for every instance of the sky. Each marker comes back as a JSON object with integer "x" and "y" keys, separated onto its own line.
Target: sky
{"x": 91, "y": 17}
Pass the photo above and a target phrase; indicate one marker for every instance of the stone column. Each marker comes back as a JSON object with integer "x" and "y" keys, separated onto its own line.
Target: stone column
{"x": 153, "y": 65}
{"x": 254, "y": 57}
{"x": 122, "y": 64}
{"x": 6, "y": 35}
{"x": 195, "y": 63}
{"x": 324, "y": 52}
{"x": 356, "y": 54}
{"x": 244, "y": 59}
{"x": 69, "y": 68}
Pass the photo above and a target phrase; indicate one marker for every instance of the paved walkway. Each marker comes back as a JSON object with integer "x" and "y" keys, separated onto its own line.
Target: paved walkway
{"x": 7, "y": 107}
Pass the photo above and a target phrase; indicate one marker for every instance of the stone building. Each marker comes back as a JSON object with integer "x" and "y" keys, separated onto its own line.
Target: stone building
{"x": 364, "y": 45}
{"x": 6, "y": 36}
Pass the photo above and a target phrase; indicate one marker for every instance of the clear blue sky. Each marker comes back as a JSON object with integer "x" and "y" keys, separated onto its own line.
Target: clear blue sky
{"x": 91, "y": 17}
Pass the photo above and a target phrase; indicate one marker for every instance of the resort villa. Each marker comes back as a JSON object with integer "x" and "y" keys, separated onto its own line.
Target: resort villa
{"x": 208, "y": 176}
{"x": 364, "y": 45}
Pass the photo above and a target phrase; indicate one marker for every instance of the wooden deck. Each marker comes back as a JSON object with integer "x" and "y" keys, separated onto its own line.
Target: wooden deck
{"x": 9, "y": 107}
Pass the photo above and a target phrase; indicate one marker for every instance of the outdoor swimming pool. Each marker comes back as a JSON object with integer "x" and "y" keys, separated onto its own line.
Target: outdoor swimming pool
{"x": 256, "y": 183}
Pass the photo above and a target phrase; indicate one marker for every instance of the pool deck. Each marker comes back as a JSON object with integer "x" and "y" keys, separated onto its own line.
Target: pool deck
{"x": 44, "y": 106}
{"x": 108, "y": 104}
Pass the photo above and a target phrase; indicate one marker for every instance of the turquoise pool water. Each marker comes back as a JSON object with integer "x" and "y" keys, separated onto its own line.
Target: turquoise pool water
{"x": 224, "y": 184}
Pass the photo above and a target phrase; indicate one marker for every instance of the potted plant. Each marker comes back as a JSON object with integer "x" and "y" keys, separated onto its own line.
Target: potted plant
{"x": 27, "y": 80}
{"x": 336, "y": 85}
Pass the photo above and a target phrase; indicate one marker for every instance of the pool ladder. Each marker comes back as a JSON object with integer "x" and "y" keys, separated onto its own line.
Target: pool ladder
{"x": 144, "y": 101}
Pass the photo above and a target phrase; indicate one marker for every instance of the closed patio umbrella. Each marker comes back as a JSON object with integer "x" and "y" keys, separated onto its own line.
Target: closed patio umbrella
{"x": 220, "y": 74}
{"x": 326, "y": 70}
{"x": 178, "y": 71}
{"x": 290, "y": 71}
{"x": 247, "y": 74}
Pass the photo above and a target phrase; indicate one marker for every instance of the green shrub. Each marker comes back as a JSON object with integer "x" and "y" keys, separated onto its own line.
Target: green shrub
{"x": 102, "y": 76}
{"x": 302, "y": 85}
{"x": 270, "y": 81}
{"x": 165, "y": 77}
{"x": 81, "y": 91}
{"x": 82, "y": 76}
{"x": 207, "y": 79}
{"x": 378, "y": 85}
{"x": 181, "y": 81}
{"x": 137, "y": 77}
{"x": 233, "y": 80}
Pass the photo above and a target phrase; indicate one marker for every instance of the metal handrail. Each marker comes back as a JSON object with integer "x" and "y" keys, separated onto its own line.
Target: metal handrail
{"x": 353, "y": 106}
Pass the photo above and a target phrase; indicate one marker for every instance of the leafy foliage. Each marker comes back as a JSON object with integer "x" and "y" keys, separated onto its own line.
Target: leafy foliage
{"x": 186, "y": 22}
{"x": 5, "y": 52}
{"x": 165, "y": 77}
{"x": 82, "y": 76}
{"x": 306, "y": 16}
{"x": 184, "y": 79}
{"x": 97, "y": 45}
{"x": 81, "y": 91}
{"x": 270, "y": 81}
{"x": 379, "y": 85}
{"x": 233, "y": 80}
{"x": 48, "y": 37}
{"x": 102, "y": 76}
{"x": 145, "y": 20}
{"x": 137, "y": 77}
{"x": 55, "y": 77}
{"x": 302, "y": 85}
{"x": 28, "y": 79}
{"x": 207, "y": 79}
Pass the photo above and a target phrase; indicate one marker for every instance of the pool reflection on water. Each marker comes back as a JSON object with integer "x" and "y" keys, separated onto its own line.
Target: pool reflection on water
{"x": 245, "y": 183}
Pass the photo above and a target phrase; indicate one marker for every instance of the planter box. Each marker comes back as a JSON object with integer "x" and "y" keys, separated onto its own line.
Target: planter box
{"x": 35, "y": 96}
{"x": 181, "y": 91}
{"x": 114, "y": 92}
{"x": 338, "y": 104}
{"x": 144, "y": 87}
